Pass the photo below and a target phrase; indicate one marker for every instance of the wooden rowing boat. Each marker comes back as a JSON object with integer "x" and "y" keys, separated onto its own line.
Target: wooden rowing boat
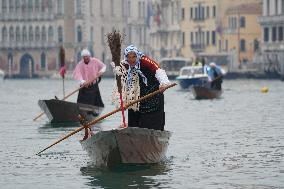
{"x": 201, "y": 92}
{"x": 63, "y": 111}
{"x": 131, "y": 145}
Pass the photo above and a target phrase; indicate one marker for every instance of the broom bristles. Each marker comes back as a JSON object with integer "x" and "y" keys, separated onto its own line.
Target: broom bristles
{"x": 114, "y": 42}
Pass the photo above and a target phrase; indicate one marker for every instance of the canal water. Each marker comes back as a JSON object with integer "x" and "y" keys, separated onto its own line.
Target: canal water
{"x": 233, "y": 142}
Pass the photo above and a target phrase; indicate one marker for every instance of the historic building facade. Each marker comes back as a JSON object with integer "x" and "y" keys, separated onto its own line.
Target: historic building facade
{"x": 163, "y": 20}
{"x": 272, "y": 23}
{"x": 126, "y": 16}
{"x": 241, "y": 32}
{"x": 32, "y": 32}
{"x": 202, "y": 28}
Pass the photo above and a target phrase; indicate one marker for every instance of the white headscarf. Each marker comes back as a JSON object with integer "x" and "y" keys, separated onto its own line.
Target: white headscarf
{"x": 85, "y": 52}
{"x": 212, "y": 65}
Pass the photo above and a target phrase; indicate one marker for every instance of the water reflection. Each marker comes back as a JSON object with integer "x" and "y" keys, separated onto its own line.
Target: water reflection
{"x": 61, "y": 124}
{"x": 57, "y": 128}
{"x": 125, "y": 176}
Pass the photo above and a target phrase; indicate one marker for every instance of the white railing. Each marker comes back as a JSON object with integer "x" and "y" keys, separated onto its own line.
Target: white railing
{"x": 27, "y": 44}
{"x": 272, "y": 46}
{"x": 27, "y": 16}
{"x": 270, "y": 19}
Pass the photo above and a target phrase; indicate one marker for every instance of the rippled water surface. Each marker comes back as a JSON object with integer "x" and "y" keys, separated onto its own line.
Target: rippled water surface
{"x": 233, "y": 142}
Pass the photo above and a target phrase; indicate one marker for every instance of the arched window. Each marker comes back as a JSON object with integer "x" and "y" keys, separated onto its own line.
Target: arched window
{"x": 78, "y": 56}
{"x": 60, "y": 6}
{"x": 91, "y": 7}
{"x": 31, "y": 34}
{"x": 243, "y": 45}
{"x": 30, "y": 6}
{"x": 43, "y": 33}
{"x": 78, "y": 6}
{"x": 37, "y": 5}
{"x": 43, "y": 6}
{"x": 11, "y": 34}
{"x": 10, "y": 59}
{"x": 60, "y": 34}
{"x": 49, "y": 6}
{"x": 42, "y": 61}
{"x": 37, "y": 34}
{"x": 25, "y": 35}
{"x": 24, "y": 6}
{"x": 255, "y": 45}
{"x": 18, "y": 34}
{"x": 79, "y": 34}
{"x": 92, "y": 34}
{"x": 18, "y": 6}
{"x": 11, "y": 6}
{"x": 50, "y": 33}
{"x": 242, "y": 22}
{"x": 4, "y": 6}
{"x": 4, "y": 34}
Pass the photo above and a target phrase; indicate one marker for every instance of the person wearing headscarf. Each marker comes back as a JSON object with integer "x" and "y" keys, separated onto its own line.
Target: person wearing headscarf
{"x": 88, "y": 72}
{"x": 140, "y": 75}
{"x": 215, "y": 76}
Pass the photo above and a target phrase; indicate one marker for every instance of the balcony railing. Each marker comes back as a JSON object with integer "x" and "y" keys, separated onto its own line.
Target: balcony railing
{"x": 26, "y": 16}
{"x": 230, "y": 30}
{"x": 201, "y": 19}
{"x": 26, "y": 45}
{"x": 270, "y": 19}
{"x": 197, "y": 47}
{"x": 273, "y": 46}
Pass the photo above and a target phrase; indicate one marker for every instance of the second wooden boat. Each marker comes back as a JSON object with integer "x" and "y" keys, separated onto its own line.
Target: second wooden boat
{"x": 131, "y": 145}
{"x": 64, "y": 111}
{"x": 201, "y": 92}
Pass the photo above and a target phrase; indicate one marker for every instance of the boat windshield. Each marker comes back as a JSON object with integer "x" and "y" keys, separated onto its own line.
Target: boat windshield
{"x": 191, "y": 71}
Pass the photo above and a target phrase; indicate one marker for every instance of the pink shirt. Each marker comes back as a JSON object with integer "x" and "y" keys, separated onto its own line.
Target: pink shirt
{"x": 90, "y": 71}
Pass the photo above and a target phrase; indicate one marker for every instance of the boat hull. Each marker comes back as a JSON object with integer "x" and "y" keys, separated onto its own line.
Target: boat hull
{"x": 200, "y": 92}
{"x": 63, "y": 111}
{"x": 127, "y": 146}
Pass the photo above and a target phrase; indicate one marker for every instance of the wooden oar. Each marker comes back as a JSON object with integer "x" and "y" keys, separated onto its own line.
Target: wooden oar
{"x": 39, "y": 115}
{"x": 105, "y": 116}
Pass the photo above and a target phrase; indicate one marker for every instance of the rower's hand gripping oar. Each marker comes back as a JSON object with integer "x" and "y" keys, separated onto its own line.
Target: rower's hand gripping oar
{"x": 114, "y": 42}
{"x": 105, "y": 116}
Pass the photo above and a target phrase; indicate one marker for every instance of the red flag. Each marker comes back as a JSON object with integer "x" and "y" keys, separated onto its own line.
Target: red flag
{"x": 62, "y": 71}
{"x": 158, "y": 15}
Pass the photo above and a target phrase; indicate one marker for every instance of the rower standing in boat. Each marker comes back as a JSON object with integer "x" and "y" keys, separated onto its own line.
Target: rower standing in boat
{"x": 140, "y": 76}
{"x": 215, "y": 76}
{"x": 88, "y": 71}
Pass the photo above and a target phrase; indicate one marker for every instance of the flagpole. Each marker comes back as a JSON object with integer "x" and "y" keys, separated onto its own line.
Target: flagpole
{"x": 63, "y": 87}
{"x": 62, "y": 67}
